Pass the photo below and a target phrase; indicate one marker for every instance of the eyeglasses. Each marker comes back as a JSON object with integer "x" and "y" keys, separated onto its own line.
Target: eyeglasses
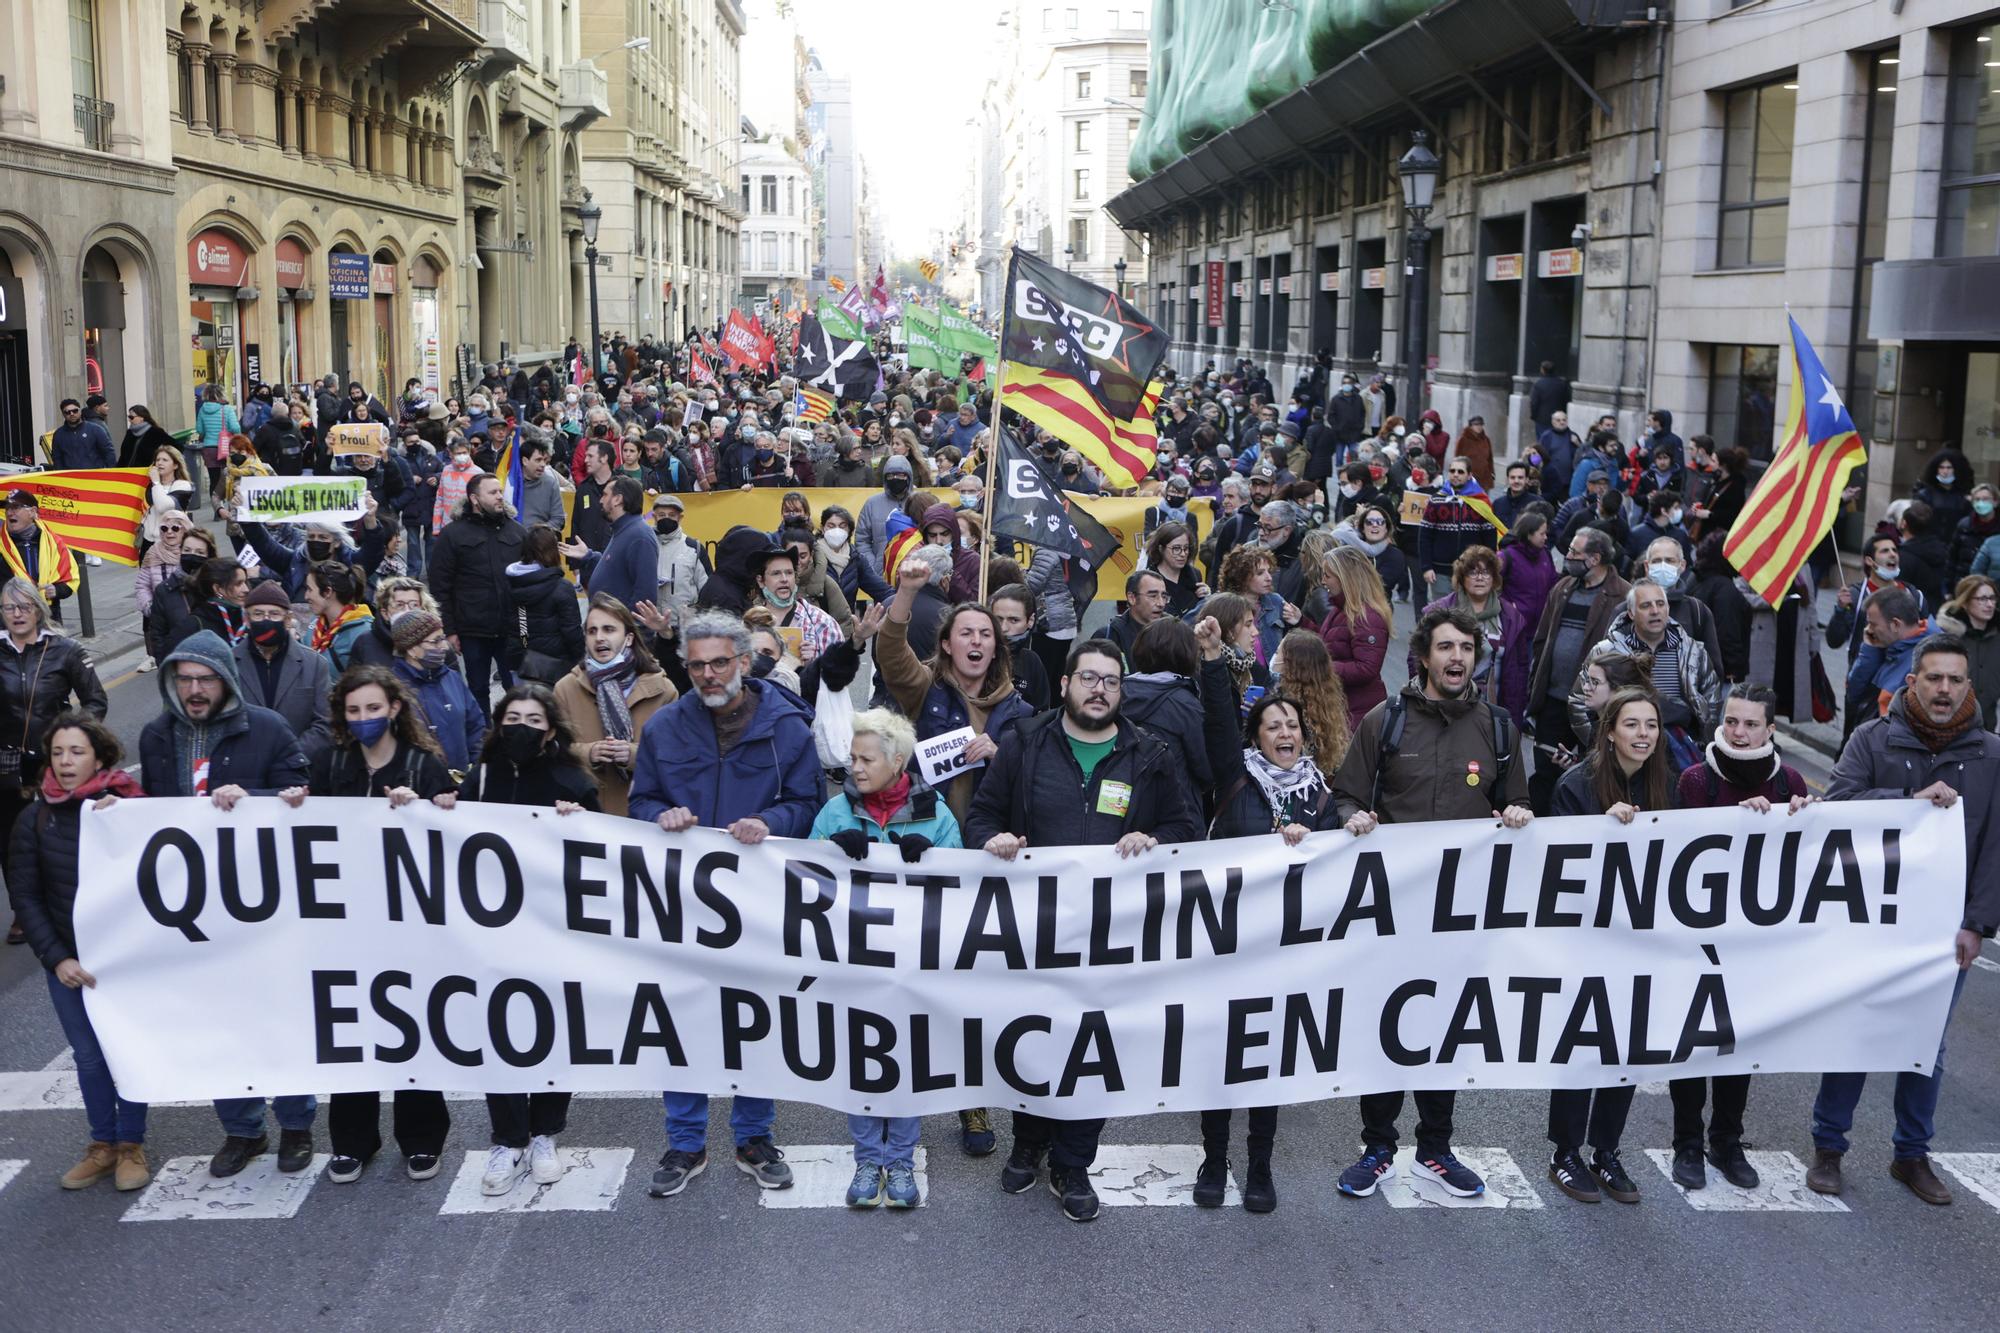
{"x": 1270, "y": 527}
{"x": 1091, "y": 680}
{"x": 714, "y": 666}
{"x": 205, "y": 678}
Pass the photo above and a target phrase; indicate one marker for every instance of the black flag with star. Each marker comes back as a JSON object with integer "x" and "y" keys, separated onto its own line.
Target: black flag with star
{"x": 1056, "y": 321}
{"x": 843, "y": 366}
{"x": 1029, "y": 508}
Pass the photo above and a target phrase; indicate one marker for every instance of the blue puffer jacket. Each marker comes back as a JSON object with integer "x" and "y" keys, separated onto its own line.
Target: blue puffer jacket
{"x": 454, "y": 716}
{"x": 247, "y": 746}
{"x": 924, "y": 814}
{"x": 773, "y": 774}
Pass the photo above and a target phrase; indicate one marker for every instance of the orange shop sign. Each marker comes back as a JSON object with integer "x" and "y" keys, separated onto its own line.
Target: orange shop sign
{"x": 217, "y": 259}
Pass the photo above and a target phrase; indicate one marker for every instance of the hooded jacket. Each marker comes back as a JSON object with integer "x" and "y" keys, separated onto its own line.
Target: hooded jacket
{"x": 773, "y": 773}
{"x": 1884, "y": 760}
{"x": 1169, "y": 706}
{"x": 245, "y": 745}
{"x": 964, "y": 561}
{"x": 1665, "y": 437}
{"x": 738, "y": 560}
{"x": 1950, "y": 503}
{"x": 453, "y": 715}
{"x": 545, "y": 610}
{"x": 871, "y": 526}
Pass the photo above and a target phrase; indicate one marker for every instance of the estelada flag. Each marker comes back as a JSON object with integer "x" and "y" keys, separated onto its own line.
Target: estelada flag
{"x": 95, "y": 511}
{"x": 812, "y": 406}
{"x": 903, "y": 537}
{"x": 1124, "y": 451}
{"x": 1796, "y": 501}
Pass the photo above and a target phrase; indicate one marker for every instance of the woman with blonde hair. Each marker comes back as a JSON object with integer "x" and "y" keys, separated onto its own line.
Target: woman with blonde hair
{"x": 1305, "y": 673}
{"x": 1355, "y": 628}
{"x": 903, "y": 443}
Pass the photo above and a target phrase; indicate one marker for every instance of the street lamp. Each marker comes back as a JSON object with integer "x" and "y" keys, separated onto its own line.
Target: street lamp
{"x": 590, "y": 214}
{"x": 1418, "y": 171}
{"x": 1069, "y": 257}
{"x": 1119, "y": 269}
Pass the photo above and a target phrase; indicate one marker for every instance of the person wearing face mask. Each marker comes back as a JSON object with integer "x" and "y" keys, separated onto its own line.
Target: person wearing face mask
{"x": 166, "y": 522}
{"x": 850, "y": 466}
{"x": 1683, "y": 676}
{"x": 682, "y": 566}
{"x": 452, "y": 482}
{"x": 1946, "y": 486}
{"x": 1356, "y": 489}
{"x": 380, "y": 749}
{"x": 278, "y": 674}
{"x": 528, "y": 759}
{"x": 1579, "y": 610}
{"x": 871, "y": 535}
{"x": 1664, "y": 517}
{"x": 242, "y": 462}
{"x": 1975, "y": 533}
{"x": 171, "y": 616}
{"x": 940, "y": 528}
{"x": 1664, "y": 562}
{"x": 778, "y": 591}
{"x": 1074, "y": 476}
{"x": 1014, "y": 609}
{"x": 444, "y": 704}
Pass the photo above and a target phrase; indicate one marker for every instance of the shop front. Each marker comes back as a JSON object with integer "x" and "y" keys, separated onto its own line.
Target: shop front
{"x": 293, "y": 292}
{"x": 382, "y": 283}
{"x": 220, "y": 304}
{"x": 424, "y": 327}
{"x": 346, "y": 282}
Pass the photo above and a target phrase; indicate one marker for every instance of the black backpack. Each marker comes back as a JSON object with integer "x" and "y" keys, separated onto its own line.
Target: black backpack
{"x": 1396, "y": 714}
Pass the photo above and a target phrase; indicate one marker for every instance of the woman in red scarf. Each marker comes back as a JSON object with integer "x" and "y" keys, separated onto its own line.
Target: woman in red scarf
{"x": 82, "y": 768}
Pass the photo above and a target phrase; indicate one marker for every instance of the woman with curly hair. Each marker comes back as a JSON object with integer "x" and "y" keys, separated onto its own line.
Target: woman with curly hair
{"x": 1304, "y": 671}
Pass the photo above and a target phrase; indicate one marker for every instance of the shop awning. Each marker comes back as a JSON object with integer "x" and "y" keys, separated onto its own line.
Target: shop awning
{"x": 1400, "y": 70}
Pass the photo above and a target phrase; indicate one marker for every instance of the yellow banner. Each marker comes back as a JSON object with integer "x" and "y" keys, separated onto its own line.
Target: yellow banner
{"x": 712, "y": 513}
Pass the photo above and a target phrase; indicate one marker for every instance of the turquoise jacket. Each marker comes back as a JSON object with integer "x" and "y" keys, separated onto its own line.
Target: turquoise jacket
{"x": 923, "y": 814}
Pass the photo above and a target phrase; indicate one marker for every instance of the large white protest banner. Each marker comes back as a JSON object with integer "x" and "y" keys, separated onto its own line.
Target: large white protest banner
{"x": 343, "y": 946}
{"x": 300, "y": 499}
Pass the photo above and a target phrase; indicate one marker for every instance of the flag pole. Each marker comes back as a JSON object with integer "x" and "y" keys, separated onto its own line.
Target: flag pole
{"x": 992, "y": 456}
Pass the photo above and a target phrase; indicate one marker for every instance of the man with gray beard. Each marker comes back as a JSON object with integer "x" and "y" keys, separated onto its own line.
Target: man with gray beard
{"x": 684, "y": 776}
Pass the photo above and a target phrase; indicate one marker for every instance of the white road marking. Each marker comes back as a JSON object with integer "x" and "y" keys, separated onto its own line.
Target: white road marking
{"x": 1985, "y": 964}
{"x": 43, "y": 1090}
{"x": 1781, "y": 1187}
{"x": 9, "y": 1168}
{"x": 1148, "y": 1175}
{"x": 590, "y": 1185}
{"x": 65, "y": 1059}
{"x": 1506, "y": 1186}
{"x": 821, "y": 1173}
{"x": 1977, "y": 1171}
{"x": 183, "y": 1191}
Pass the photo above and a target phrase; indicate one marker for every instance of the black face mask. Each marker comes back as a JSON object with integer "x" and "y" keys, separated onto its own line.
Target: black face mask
{"x": 317, "y": 551}
{"x": 898, "y": 486}
{"x": 269, "y": 634}
{"x": 1070, "y": 469}
{"x": 191, "y": 563}
{"x": 521, "y": 742}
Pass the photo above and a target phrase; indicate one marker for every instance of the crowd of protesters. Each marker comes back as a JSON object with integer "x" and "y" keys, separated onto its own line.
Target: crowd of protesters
{"x": 1581, "y": 647}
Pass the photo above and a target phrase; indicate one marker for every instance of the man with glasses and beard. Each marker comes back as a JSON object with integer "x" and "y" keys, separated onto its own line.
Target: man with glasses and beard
{"x": 1079, "y": 776}
{"x": 734, "y": 753}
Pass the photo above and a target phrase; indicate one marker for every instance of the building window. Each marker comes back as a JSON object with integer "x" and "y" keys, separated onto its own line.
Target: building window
{"x": 771, "y": 251}
{"x": 1083, "y": 85}
{"x": 1082, "y": 183}
{"x": 1131, "y": 132}
{"x": 1873, "y": 239}
{"x": 1048, "y": 19}
{"x": 1069, "y": 18}
{"x": 1743, "y": 396}
{"x": 1138, "y": 83}
{"x": 1083, "y": 136}
{"x": 83, "y": 55}
{"x": 1079, "y": 238}
{"x": 746, "y": 194}
{"x": 1971, "y": 189}
{"x": 187, "y": 90}
{"x": 767, "y": 194}
{"x": 791, "y": 196}
{"x": 1757, "y": 174}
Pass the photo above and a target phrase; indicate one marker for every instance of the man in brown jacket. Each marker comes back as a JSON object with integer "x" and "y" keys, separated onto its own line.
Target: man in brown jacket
{"x": 1436, "y": 751}
{"x": 1579, "y": 611}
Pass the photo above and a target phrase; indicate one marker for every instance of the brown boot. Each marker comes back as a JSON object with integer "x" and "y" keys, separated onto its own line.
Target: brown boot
{"x": 1824, "y": 1175}
{"x": 133, "y": 1171}
{"x": 100, "y": 1161}
{"x": 1923, "y": 1182}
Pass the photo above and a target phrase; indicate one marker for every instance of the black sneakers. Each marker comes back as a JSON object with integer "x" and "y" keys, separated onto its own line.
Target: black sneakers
{"x": 1567, "y": 1170}
{"x": 677, "y": 1168}
{"x": 764, "y": 1162}
{"x": 1023, "y": 1165}
{"x": 1072, "y": 1185}
{"x": 1610, "y": 1172}
{"x": 1260, "y": 1193}
{"x": 235, "y": 1154}
{"x": 1689, "y": 1173}
{"x": 295, "y": 1149}
{"x": 1212, "y": 1180}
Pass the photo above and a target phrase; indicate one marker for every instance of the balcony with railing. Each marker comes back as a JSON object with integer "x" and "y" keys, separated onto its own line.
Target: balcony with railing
{"x": 503, "y": 35}
{"x": 585, "y": 94}
{"x": 93, "y": 122}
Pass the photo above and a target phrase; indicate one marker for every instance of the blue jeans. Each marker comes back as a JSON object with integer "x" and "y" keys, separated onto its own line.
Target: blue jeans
{"x": 687, "y": 1119}
{"x": 112, "y": 1118}
{"x": 416, "y": 541}
{"x": 484, "y": 658}
{"x": 884, "y": 1140}
{"x": 1916, "y": 1101}
{"x": 243, "y": 1117}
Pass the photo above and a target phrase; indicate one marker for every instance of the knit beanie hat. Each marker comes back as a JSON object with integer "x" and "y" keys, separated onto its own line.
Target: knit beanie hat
{"x": 268, "y": 593}
{"x": 412, "y": 628}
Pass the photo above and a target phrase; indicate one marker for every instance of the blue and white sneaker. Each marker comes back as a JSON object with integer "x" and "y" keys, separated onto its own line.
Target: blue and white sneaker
{"x": 903, "y": 1191}
{"x": 1452, "y": 1175}
{"x": 866, "y": 1189}
{"x": 1376, "y": 1165}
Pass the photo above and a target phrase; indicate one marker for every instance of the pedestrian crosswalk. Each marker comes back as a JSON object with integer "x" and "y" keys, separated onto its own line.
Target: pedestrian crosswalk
{"x": 1126, "y": 1175}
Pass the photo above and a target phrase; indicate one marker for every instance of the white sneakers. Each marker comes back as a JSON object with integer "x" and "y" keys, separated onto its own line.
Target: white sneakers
{"x": 505, "y": 1166}
{"x": 543, "y": 1164}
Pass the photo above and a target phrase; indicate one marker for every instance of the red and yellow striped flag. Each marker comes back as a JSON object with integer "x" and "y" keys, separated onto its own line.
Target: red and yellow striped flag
{"x": 94, "y": 512}
{"x": 839, "y": 284}
{"x": 929, "y": 268}
{"x": 1796, "y": 501}
{"x": 1124, "y": 451}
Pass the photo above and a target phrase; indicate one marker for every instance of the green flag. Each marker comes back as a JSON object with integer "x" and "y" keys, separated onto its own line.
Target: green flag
{"x": 959, "y": 334}
{"x": 835, "y": 320}
{"x": 920, "y": 330}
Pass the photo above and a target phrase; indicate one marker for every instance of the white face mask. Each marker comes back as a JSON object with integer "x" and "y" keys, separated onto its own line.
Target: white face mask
{"x": 1888, "y": 573}
{"x": 1663, "y": 574}
{"x": 1674, "y": 517}
{"x": 835, "y": 538}
{"x": 1350, "y": 490}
